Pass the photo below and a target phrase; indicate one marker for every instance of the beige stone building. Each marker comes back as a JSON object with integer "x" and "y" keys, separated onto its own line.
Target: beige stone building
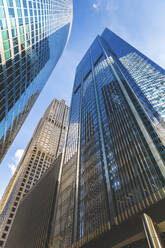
{"x": 44, "y": 147}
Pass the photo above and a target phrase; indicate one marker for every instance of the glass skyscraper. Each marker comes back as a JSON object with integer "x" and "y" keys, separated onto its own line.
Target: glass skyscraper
{"x": 114, "y": 161}
{"x": 33, "y": 34}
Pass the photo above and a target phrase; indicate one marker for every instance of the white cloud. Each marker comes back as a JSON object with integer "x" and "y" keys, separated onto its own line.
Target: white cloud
{"x": 105, "y": 5}
{"x": 18, "y": 154}
{"x": 12, "y": 168}
{"x": 15, "y": 160}
{"x": 95, "y": 6}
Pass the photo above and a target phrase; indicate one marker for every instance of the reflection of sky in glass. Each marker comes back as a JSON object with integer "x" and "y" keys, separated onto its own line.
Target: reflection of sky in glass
{"x": 146, "y": 78}
{"x": 115, "y": 166}
{"x": 33, "y": 36}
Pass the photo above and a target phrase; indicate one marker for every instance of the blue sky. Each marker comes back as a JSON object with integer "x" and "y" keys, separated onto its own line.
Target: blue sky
{"x": 140, "y": 22}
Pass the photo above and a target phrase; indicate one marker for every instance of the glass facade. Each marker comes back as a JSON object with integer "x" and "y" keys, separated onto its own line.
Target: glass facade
{"x": 114, "y": 159}
{"x": 33, "y": 35}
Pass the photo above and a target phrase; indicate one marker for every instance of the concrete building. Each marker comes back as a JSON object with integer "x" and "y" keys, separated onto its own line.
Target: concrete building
{"x": 45, "y": 146}
{"x": 33, "y": 221}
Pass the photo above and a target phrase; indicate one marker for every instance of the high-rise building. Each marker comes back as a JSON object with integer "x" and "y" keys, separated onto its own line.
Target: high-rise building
{"x": 33, "y": 221}
{"x": 112, "y": 185}
{"x": 45, "y": 146}
{"x": 33, "y": 35}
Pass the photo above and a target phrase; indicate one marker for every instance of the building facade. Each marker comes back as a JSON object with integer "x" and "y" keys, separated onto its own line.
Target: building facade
{"x": 114, "y": 162}
{"x": 45, "y": 146}
{"x": 33, "y": 35}
{"x": 32, "y": 224}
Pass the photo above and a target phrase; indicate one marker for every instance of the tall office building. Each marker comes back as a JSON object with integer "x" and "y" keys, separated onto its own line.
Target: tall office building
{"x": 114, "y": 162}
{"x": 33, "y": 35}
{"x": 33, "y": 221}
{"x": 45, "y": 146}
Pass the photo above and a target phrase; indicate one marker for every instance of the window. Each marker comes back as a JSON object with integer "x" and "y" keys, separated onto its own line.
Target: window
{"x": 15, "y": 42}
{"x": 22, "y": 39}
{"x": 11, "y": 12}
{"x": 6, "y": 228}
{"x": 19, "y": 12}
{"x": 16, "y": 50}
{"x": 1, "y": 242}
{"x": 6, "y": 45}
{"x": 13, "y": 22}
{"x": 4, "y": 235}
{"x": 18, "y": 4}
{"x": 9, "y": 221}
{"x": 20, "y": 20}
{"x": 5, "y": 35}
{"x": 10, "y": 3}
{"x": 14, "y": 32}
{"x": 2, "y": 13}
{"x": 3, "y": 24}
{"x": 24, "y": 4}
{"x": 7, "y": 54}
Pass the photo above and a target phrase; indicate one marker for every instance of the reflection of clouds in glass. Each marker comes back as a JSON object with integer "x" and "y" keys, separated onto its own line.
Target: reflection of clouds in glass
{"x": 150, "y": 81}
{"x": 71, "y": 145}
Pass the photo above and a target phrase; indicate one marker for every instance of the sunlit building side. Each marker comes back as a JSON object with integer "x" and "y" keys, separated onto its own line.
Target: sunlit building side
{"x": 114, "y": 162}
{"x": 33, "y": 35}
{"x": 44, "y": 147}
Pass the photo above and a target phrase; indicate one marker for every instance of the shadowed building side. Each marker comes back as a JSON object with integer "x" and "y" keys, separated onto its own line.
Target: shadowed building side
{"x": 32, "y": 224}
{"x": 46, "y": 144}
{"x": 115, "y": 149}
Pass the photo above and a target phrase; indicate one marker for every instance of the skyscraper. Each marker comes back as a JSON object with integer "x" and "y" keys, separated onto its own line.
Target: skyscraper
{"x": 114, "y": 161}
{"x": 33, "y": 35}
{"x": 33, "y": 221}
{"x": 45, "y": 146}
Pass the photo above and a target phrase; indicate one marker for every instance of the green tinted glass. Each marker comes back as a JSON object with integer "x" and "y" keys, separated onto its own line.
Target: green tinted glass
{"x": 27, "y": 28}
{"x": 5, "y": 35}
{"x": 7, "y": 55}
{"x": 14, "y": 32}
{"x": 13, "y": 22}
{"x": 10, "y": 3}
{"x": 21, "y": 30}
{"x": 3, "y": 24}
{"x": 19, "y": 12}
{"x": 18, "y": 4}
{"x": 6, "y": 45}
{"x": 22, "y": 38}
{"x": 2, "y": 12}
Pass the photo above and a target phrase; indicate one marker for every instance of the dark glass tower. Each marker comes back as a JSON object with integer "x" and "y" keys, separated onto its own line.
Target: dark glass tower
{"x": 33, "y": 35}
{"x": 114, "y": 161}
